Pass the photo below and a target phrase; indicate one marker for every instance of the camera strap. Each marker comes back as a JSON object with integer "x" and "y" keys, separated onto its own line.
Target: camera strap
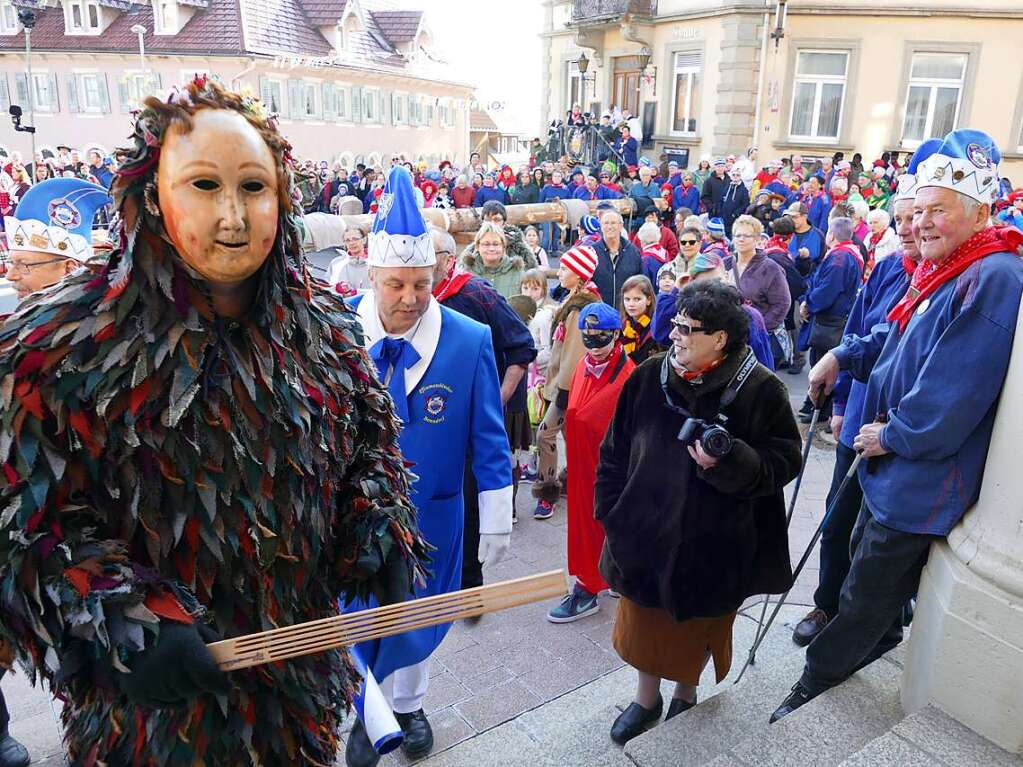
{"x": 747, "y": 367}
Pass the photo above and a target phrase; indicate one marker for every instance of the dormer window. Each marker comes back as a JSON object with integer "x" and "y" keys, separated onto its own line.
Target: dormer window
{"x": 82, "y": 17}
{"x": 165, "y": 17}
{"x": 8, "y": 18}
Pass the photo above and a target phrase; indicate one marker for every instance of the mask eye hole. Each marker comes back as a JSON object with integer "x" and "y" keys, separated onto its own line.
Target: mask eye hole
{"x": 254, "y": 187}
{"x": 206, "y": 184}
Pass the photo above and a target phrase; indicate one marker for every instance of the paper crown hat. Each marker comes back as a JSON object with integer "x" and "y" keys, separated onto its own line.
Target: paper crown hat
{"x": 55, "y": 216}
{"x": 966, "y": 162}
{"x": 399, "y": 236}
{"x": 908, "y": 181}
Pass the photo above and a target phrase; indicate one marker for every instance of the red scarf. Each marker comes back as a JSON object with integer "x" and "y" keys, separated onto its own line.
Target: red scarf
{"x": 875, "y": 238}
{"x": 928, "y": 276}
{"x": 692, "y": 375}
{"x": 908, "y": 265}
{"x": 451, "y": 284}
{"x": 849, "y": 247}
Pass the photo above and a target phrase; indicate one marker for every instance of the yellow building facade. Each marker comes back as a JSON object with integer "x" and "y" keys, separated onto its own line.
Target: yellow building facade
{"x": 810, "y": 77}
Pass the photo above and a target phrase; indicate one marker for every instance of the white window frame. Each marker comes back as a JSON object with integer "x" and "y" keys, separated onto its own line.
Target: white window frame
{"x": 168, "y": 26}
{"x": 819, "y": 81}
{"x": 9, "y": 24}
{"x": 279, "y": 84}
{"x": 400, "y": 109}
{"x": 83, "y": 106}
{"x": 371, "y": 106}
{"x": 311, "y": 87}
{"x": 691, "y": 108}
{"x": 136, "y": 81}
{"x": 52, "y": 106}
{"x": 934, "y": 84}
{"x": 84, "y": 26}
{"x": 343, "y": 91}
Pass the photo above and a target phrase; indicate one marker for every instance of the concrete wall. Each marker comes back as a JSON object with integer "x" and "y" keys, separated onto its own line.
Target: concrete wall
{"x": 315, "y": 138}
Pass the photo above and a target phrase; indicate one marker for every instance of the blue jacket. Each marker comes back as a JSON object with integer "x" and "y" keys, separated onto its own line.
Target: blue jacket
{"x": 885, "y": 287}
{"x": 665, "y": 309}
{"x": 609, "y": 278}
{"x": 820, "y": 209}
{"x": 1011, "y": 215}
{"x": 686, "y": 198}
{"x": 629, "y": 150}
{"x": 938, "y": 382}
{"x": 602, "y": 193}
{"x": 485, "y": 194}
{"x": 651, "y": 190}
{"x": 813, "y": 240}
{"x": 551, "y": 192}
{"x": 831, "y": 289}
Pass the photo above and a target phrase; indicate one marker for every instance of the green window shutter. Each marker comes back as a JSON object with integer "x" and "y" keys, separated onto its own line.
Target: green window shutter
{"x": 5, "y": 94}
{"x": 71, "y": 84}
{"x": 55, "y": 106}
{"x": 381, "y": 105}
{"x": 342, "y": 102}
{"x": 295, "y": 106}
{"x": 329, "y": 108}
{"x": 21, "y": 86}
{"x": 386, "y": 99}
{"x": 104, "y": 93}
{"x": 356, "y": 105}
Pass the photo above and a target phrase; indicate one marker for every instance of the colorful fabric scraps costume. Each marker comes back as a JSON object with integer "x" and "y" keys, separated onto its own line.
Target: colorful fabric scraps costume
{"x": 164, "y": 465}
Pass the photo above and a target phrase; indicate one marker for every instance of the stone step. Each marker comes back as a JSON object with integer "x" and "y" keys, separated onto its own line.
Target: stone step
{"x": 731, "y": 729}
{"x": 931, "y": 738}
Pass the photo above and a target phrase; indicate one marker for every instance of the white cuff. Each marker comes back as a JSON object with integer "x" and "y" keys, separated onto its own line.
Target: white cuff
{"x": 496, "y": 511}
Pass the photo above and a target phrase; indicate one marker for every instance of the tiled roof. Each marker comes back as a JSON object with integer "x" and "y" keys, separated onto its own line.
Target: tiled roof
{"x": 216, "y": 30}
{"x": 323, "y": 13}
{"x": 479, "y": 120}
{"x": 280, "y": 26}
{"x": 397, "y": 26}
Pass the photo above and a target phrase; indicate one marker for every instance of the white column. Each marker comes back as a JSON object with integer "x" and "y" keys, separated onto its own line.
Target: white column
{"x": 966, "y": 649}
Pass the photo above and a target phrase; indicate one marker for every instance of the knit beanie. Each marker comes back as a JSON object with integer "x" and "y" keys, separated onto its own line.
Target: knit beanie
{"x": 581, "y": 260}
{"x": 716, "y": 228}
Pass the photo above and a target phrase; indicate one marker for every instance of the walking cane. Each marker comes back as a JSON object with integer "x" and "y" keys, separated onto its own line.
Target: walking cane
{"x": 802, "y": 562}
{"x": 788, "y": 517}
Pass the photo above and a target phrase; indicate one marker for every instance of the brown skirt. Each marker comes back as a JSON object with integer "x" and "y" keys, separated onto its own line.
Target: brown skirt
{"x": 650, "y": 640}
{"x": 520, "y": 431}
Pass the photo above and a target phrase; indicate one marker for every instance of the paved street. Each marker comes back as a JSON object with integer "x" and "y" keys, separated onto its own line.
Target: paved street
{"x": 512, "y": 662}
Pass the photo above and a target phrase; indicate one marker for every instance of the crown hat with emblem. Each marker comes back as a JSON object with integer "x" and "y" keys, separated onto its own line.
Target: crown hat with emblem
{"x": 966, "y": 162}
{"x": 908, "y": 181}
{"x": 399, "y": 236}
{"x": 55, "y": 217}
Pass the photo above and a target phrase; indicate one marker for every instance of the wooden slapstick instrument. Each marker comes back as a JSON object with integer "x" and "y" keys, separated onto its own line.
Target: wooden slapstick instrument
{"x": 344, "y": 630}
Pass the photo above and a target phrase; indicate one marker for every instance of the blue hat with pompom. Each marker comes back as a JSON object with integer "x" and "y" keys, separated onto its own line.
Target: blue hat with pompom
{"x": 399, "y": 236}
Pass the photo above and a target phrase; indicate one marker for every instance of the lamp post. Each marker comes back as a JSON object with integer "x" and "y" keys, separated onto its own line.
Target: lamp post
{"x": 27, "y": 17}
{"x": 583, "y": 64}
{"x": 140, "y": 30}
{"x": 644, "y": 56}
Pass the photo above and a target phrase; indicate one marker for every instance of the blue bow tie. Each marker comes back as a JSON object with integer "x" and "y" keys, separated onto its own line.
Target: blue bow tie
{"x": 395, "y": 355}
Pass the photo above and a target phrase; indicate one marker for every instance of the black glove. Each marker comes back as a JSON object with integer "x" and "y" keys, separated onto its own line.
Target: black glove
{"x": 392, "y": 583}
{"x": 175, "y": 670}
{"x": 561, "y": 400}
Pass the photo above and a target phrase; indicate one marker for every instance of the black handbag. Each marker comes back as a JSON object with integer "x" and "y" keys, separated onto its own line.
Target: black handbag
{"x": 826, "y": 331}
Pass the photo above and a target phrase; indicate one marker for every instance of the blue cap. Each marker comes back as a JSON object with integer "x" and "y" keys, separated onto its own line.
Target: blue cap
{"x": 966, "y": 162}
{"x": 599, "y": 316}
{"x": 716, "y": 227}
{"x": 590, "y": 224}
{"x": 55, "y": 216}
{"x": 399, "y": 236}
{"x": 925, "y": 150}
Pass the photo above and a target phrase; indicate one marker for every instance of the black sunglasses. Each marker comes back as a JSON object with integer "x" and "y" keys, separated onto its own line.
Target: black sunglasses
{"x": 687, "y": 329}
{"x": 687, "y": 242}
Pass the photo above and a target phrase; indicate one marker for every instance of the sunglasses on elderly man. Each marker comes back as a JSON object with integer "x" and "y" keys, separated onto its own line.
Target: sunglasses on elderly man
{"x": 688, "y": 242}
{"x": 687, "y": 330}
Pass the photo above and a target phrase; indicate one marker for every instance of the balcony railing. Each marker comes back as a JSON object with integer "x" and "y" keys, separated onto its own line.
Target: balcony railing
{"x": 601, "y": 10}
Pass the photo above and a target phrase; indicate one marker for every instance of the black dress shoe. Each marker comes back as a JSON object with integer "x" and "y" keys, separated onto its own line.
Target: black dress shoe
{"x": 797, "y": 698}
{"x": 359, "y": 752}
{"x": 677, "y": 706}
{"x": 418, "y": 734}
{"x": 810, "y": 627}
{"x": 634, "y": 721}
{"x": 12, "y": 753}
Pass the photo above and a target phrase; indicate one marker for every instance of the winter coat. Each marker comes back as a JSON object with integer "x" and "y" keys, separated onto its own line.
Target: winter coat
{"x": 506, "y": 277}
{"x": 517, "y": 248}
{"x": 775, "y": 249}
{"x": 485, "y": 194}
{"x": 696, "y": 542}
{"x": 463, "y": 196}
{"x": 733, "y": 204}
{"x": 686, "y": 197}
{"x": 524, "y": 194}
{"x": 713, "y": 190}
{"x": 609, "y": 277}
{"x": 566, "y": 344}
{"x": 763, "y": 284}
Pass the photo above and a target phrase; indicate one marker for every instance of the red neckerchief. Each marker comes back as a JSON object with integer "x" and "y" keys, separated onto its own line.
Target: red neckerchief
{"x": 776, "y": 244}
{"x": 451, "y": 284}
{"x": 596, "y": 369}
{"x": 928, "y": 276}
{"x": 849, "y": 247}
{"x": 691, "y": 375}
{"x": 875, "y": 238}
{"x": 908, "y": 265}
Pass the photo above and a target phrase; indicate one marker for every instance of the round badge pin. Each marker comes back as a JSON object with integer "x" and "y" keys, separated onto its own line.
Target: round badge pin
{"x": 923, "y": 306}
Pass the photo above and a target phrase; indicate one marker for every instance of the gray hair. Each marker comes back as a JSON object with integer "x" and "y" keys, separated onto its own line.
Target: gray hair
{"x": 841, "y": 228}
{"x": 879, "y": 215}
{"x": 606, "y": 211}
{"x": 443, "y": 241}
{"x": 649, "y": 233}
{"x": 860, "y": 209}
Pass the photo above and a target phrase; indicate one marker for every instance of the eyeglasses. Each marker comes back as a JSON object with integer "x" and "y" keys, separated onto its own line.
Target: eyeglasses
{"x": 686, "y": 329}
{"x": 20, "y": 266}
{"x": 688, "y": 242}
{"x": 742, "y": 236}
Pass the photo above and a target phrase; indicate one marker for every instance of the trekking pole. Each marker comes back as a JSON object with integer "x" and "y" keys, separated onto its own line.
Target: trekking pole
{"x": 802, "y": 562}
{"x": 788, "y": 516}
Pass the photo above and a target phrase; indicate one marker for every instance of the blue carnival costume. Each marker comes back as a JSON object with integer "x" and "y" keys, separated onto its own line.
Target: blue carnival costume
{"x": 442, "y": 377}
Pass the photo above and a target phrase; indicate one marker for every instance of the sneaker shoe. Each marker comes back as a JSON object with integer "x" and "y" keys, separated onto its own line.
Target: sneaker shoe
{"x": 794, "y": 370}
{"x": 529, "y": 474}
{"x": 812, "y": 624}
{"x": 798, "y": 698}
{"x": 515, "y": 517}
{"x": 576, "y": 605}
{"x": 613, "y": 594}
{"x": 543, "y": 510}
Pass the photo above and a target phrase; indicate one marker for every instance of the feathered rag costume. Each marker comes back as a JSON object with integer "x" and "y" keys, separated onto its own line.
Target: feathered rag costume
{"x": 161, "y": 463}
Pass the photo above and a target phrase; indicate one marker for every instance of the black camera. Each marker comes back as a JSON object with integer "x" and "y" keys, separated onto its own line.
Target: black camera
{"x": 716, "y": 441}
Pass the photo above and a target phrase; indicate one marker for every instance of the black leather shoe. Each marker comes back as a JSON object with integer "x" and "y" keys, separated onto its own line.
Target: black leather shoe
{"x": 634, "y": 721}
{"x": 797, "y": 698}
{"x": 418, "y": 734}
{"x": 12, "y": 753}
{"x": 811, "y": 625}
{"x": 677, "y": 706}
{"x": 359, "y": 752}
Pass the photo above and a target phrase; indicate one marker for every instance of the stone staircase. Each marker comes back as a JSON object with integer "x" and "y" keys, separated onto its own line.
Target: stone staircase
{"x": 859, "y": 724}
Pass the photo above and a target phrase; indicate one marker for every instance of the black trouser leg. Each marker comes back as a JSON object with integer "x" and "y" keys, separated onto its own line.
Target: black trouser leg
{"x": 884, "y": 573}
{"x": 825, "y": 406}
{"x": 837, "y": 533}
{"x": 472, "y": 570}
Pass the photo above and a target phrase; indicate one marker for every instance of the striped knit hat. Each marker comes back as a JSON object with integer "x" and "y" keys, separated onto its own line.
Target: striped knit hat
{"x": 582, "y": 260}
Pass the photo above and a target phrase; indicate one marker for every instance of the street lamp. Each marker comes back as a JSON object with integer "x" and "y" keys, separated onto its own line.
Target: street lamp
{"x": 140, "y": 30}
{"x": 27, "y": 17}
{"x": 583, "y": 64}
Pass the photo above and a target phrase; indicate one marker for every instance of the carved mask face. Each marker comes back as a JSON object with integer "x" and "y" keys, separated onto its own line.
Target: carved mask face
{"x": 217, "y": 187}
